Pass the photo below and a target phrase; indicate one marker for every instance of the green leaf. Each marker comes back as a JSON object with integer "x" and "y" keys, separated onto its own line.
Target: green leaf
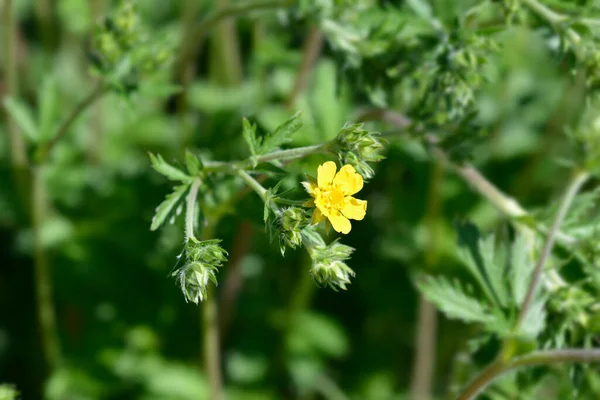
{"x": 193, "y": 163}
{"x": 23, "y": 117}
{"x": 452, "y": 300}
{"x": 479, "y": 256}
{"x": 172, "y": 173}
{"x": 249, "y": 133}
{"x": 522, "y": 265}
{"x": 47, "y": 99}
{"x": 282, "y": 134}
{"x": 169, "y": 206}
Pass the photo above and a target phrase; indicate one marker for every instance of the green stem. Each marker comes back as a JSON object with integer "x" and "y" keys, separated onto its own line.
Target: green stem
{"x": 312, "y": 49}
{"x": 190, "y": 213}
{"x": 553, "y": 18}
{"x": 536, "y": 358}
{"x": 210, "y": 325}
{"x": 279, "y": 155}
{"x": 64, "y": 127}
{"x": 253, "y": 183}
{"x": 17, "y": 144}
{"x": 579, "y": 178}
{"x": 426, "y": 332}
{"x": 43, "y": 276}
{"x": 197, "y": 33}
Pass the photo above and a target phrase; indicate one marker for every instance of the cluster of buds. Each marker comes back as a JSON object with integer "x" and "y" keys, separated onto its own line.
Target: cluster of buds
{"x": 328, "y": 266}
{"x": 203, "y": 258}
{"x": 292, "y": 221}
{"x": 121, "y": 46}
{"x": 358, "y": 147}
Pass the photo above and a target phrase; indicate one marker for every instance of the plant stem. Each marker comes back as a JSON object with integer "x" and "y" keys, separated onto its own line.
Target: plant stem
{"x": 212, "y": 356}
{"x": 64, "y": 127}
{"x": 553, "y": 18}
{"x": 426, "y": 332}
{"x": 312, "y": 49}
{"x": 43, "y": 276}
{"x": 17, "y": 144}
{"x": 579, "y": 178}
{"x": 542, "y": 357}
{"x": 197, "y": 33}
{"x": 257, "y": 187}
{"x": 280, "y": 155}
{"x": 190, "y": 211}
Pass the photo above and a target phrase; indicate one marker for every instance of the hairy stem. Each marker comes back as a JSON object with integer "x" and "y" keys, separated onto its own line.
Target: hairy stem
{"x": 254, "y": 185}
{"x": 64, "y": 127}
{"x": 542, "y": 357}
{"x": 426, "y": 332}
{"x": 43, "y": 275}
{"x": 190, "y": 211}
{"x": 17, "y": 144}
{"x": 579, "y": 178}
{"x": 279, "y": 155}
{"x": 553, "y": 18}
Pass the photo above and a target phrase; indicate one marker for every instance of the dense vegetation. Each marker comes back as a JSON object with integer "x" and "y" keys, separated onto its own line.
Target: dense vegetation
{"x": 299, "y": 199}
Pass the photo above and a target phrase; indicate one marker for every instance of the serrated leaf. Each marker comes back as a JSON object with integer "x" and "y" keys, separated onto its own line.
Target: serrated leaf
{"x": 166, "y": 169}
{"x": 452, "y": 300}
{"x": 47, "y": 99}
{"x": 167, "y": 208}
{"x": 193, "y": 163}
{"x": 521, "y": 268}
{"x": 535, "y": 319}
{"x": 470, "y": 253}
{"x": 23, "y": 117}
{"x": 282, "y": 134}
{"x": 249, "y": 133}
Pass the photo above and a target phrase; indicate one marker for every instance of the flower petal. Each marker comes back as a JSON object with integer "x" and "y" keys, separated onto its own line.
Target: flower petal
{"x": 348, "y": 180}
{"x": 325, "y": 173}
{"x": 317, "y": 216}
{"x": 354, "y": 208}
{"x": 339, "y": 222}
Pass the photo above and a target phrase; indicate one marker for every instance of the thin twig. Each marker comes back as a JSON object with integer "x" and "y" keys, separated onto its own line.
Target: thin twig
{"x": 542, "y": 357}
{"x": 64, "y": 127}
{"x": 254, "y": 185}
{"x": 553, "y": 18}
{"x": 43, "y": 276}
{"x": 312, "y": 49}
{"x": 579, "y": 178}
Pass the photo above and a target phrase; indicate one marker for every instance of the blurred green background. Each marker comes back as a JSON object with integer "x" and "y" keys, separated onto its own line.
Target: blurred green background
{"x": 124, "y": 327}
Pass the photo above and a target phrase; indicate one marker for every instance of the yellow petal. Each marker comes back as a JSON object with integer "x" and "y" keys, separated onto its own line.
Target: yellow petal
{"x": 348, "y": 180}
{"x": 317, "y": 216}
{"x": 340, "y": 223}
{"x": 325, "y": 173}
{"x": 354, "y": 208}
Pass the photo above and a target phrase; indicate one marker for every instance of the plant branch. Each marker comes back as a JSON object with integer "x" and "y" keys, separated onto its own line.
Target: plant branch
{"x": 43, "y": 276}
{"x": 64, "y": 127}
{"x": 536, "y": 358}
{"x": 312, "y": 49}
{"x": 579, "y": 178}
{"x": 197, "y": 33}
{"x": 553, "y": 18}
{"x": 253, "y": 183}
{"x": 190, "y": 212}
{"x": 280, "y": 155}
{"x": 17, "y": 144}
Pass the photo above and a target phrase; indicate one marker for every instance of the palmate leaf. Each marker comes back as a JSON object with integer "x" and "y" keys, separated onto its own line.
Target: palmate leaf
{"x": 166, "y": 169}
{"x": 169, "y": 206}
{"x": 249, "y": 133}
{"x": 193, "y": 163}
{"x": 453, "y": 301}
{"x": 23, "y": 117}
{"x": 522, "y": 264}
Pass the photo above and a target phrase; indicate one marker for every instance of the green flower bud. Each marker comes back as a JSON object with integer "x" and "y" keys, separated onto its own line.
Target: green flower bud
{"x": 358, "y": 147}
{"x": 329, "y": 268}
{"x": 202, "y": 262}
{"x": 292, "y": 221}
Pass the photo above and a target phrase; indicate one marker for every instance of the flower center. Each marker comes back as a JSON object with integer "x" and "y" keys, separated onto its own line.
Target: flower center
{"x": 329, "y": 198}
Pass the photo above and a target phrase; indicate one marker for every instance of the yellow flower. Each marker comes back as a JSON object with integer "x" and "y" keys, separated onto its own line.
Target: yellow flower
{"x": 332, "y": 195}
